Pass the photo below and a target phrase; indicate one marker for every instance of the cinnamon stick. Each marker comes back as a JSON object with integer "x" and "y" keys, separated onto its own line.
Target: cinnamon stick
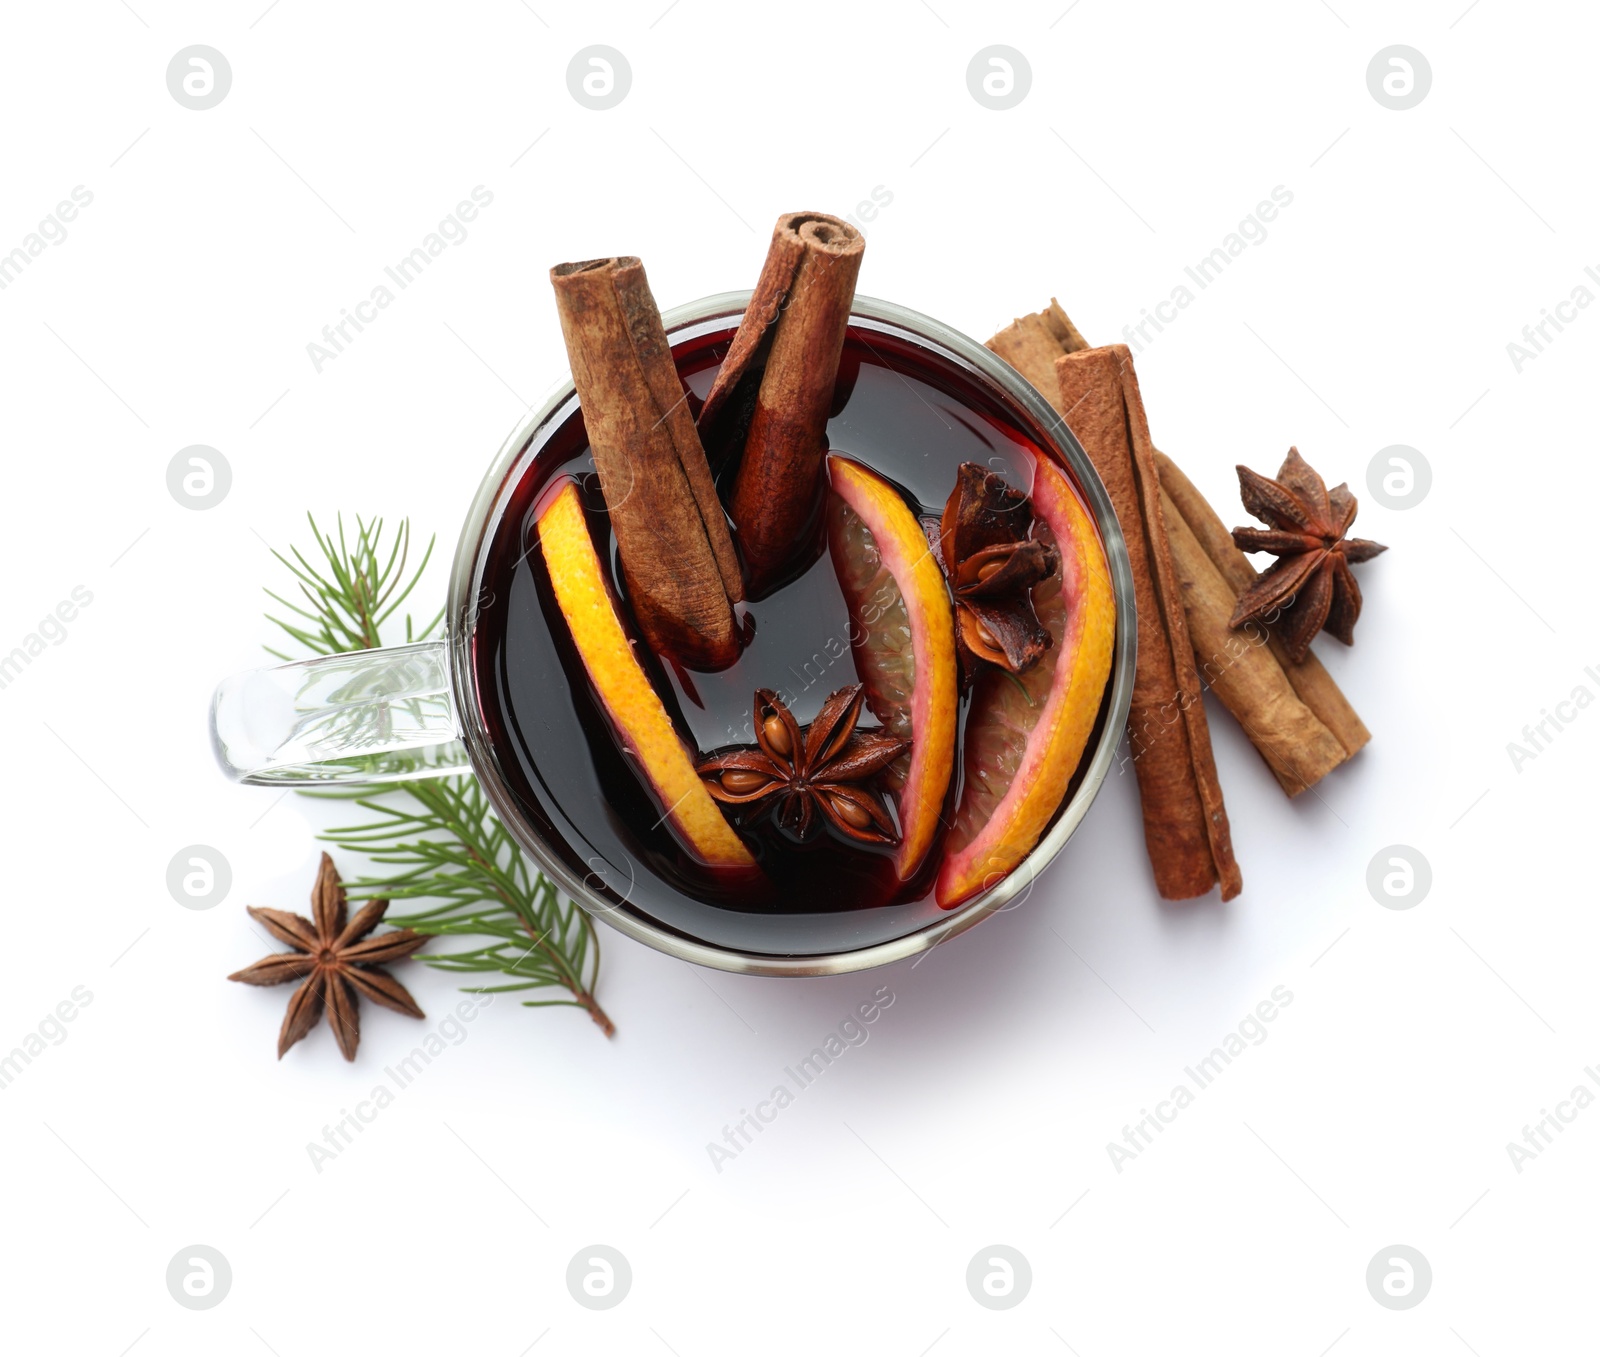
{"x": 1185, "y": 822}
{"x": 1311, "y": 682}
{"x": 779, "y": 377}
{"x": 1032, "y": 344}
{"x": 677, "y": 555}
{"x": 1242, "y": 672}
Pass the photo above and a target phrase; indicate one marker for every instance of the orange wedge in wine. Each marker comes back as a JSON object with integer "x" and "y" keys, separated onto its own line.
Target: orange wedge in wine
{"x": 1026, "y": 733}
{"x": 636, "y": 712}
{"x": 903, "y": 635}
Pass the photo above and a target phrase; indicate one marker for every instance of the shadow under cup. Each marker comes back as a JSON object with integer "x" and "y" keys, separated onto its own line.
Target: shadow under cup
{"x": 915, "y": 398}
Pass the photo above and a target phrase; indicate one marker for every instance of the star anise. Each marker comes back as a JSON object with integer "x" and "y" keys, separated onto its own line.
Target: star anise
{"x": 1309, "y": 587}
{"x": 810, "y": 775}
{"x": 334, "y": 961}
{"x": 986, "y": 551}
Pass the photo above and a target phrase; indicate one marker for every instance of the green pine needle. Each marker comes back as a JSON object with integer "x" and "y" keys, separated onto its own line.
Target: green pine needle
{"x": 440, "y": 836}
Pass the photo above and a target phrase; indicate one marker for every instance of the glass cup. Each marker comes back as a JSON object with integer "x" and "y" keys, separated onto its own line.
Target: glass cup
{"x": 412, "y": 711}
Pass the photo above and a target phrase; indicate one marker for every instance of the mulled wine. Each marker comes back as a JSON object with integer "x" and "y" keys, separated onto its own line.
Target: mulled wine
{"x": 910, "y": 415}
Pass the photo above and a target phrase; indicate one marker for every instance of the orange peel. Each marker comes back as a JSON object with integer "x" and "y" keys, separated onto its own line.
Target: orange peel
{"x": 927, "y": 714}
{"x": 623, "y": 690}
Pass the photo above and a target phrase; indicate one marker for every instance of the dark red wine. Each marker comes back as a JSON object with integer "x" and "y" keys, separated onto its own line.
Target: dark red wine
{"x": 910, "y": 414}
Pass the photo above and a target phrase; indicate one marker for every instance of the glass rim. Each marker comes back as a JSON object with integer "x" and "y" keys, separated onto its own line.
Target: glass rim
{"x": 483, "y": 518}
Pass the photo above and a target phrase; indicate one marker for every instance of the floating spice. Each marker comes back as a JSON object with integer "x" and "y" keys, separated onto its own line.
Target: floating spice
{"x": 812, "y": 774}
{"x": 992, "y": 563}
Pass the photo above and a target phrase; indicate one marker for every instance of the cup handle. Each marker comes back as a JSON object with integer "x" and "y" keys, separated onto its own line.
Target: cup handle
{"x": 363, "y": 717}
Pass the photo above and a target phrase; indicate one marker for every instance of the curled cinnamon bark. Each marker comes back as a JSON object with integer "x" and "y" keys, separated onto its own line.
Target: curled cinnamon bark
{"x": 775, "y": 389}
{"x": 1185, "y": 823}
{"x": 1032, "y": 344}
{"x": 677, "y": 555}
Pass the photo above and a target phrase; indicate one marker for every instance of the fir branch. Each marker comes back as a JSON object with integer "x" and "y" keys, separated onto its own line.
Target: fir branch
{"x": 449, "y": 848}
{"x": 359, "y": 592}
{"x": 440, "y": 836}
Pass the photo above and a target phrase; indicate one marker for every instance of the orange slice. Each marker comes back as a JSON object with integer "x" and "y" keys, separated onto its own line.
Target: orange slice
{"x": 903, "y": 635}
{"x": 1026, "y": 733}
{"x": 634, "y": 709}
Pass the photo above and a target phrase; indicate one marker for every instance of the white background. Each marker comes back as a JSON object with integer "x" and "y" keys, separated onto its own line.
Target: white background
{"x": 1377, "y": 311}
